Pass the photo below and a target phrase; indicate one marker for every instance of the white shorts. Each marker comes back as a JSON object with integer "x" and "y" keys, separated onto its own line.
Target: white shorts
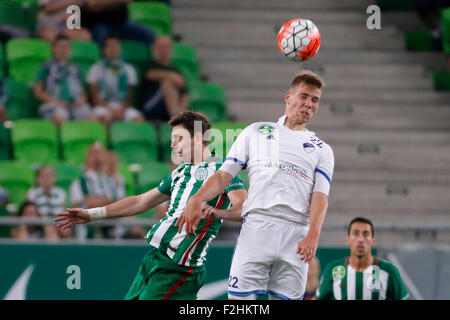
{"x": 130, "y": 112}
{"x": 265, "y": 260}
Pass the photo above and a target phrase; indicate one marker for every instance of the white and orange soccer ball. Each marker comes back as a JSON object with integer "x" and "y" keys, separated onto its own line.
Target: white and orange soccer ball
{"x": 299, "y": 39}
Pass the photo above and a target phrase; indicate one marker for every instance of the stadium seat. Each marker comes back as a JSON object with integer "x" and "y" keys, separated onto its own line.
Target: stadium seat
{"x": 165, "y": 139}
{"x": 4, "y": 142}
{"x": 11, "y": 14}
{"x": 77, "y": 136}
{"x": 208, "y": 98}
{"x": 184, "y": 57}
{"x": 84, "y": 54}
{"x": 154, "y": 14}
{"x": 136, "y": 53}
{"x": 16, "y": 178}
{"x": 446, "y": 30}
{"x": 234, "y": 129}
{"x": 134, "y": 142}
{"x": 65, "y": 174}
{"x": 128, "y": 177}
{"x": 2, "y": 61}
{"x": 25, "y": 57}
{"x": 396, "y": 5}
{"x": 151, "y": 174}
{"x": 441, "y": 80}
{"x": 418, "y": 40}
{"x": 34, "y": 141}
{"x": 20, "y": 104}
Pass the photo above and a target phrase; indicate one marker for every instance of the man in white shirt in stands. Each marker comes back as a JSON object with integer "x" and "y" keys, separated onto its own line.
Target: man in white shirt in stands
{"x": 290, "y": 171}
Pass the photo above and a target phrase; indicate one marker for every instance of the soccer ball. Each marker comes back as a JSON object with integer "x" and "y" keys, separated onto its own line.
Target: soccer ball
{"x": 299, "y": 39}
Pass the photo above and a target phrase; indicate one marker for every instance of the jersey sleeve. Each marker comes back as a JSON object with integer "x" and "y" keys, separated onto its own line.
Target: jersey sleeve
{"x": 165, "y": 185}
{"x": 324, "y": 171}
{"x": 237, "y": 157}
{"x": 235, "y": 184}
{"x": 325, "y": 289}
{"x": 93, "y": 74}
{"x": 397, "y": 286}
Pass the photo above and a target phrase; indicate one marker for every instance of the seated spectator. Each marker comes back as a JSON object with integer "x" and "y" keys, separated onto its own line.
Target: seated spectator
{"x": 29, "y": 209}
{"x": 3, "y": 100}
{"x": 110, "y": 17}
{"x": 111, "y": 83}
{"x": 312, "y": 282}
{"x": 4, "y": 197}
{"x": 93, "y": 188}
{"x": 49, "y": 198}
{"x": 52, "y": 17}
{"x": 59, "y": 86}
{"x": 164, "y": 90}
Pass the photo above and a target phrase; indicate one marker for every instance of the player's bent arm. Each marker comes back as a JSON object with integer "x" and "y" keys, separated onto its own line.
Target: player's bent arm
{"x": 134, "y": 205}
{"x": 318, "y": 211}
{"x": 237, "y": 198}
{"x": 213, "y": 187}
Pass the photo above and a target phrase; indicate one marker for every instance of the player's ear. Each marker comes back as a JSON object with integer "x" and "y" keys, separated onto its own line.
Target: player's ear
{"x": 287, "y": 95}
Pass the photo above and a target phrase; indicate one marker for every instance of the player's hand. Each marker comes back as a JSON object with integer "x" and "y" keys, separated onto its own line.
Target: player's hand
{"x": 307, "y": 247}
{"x": 208, "y": 211}
{"x": 190, "y": 217}
{"x": 71, "y": 217}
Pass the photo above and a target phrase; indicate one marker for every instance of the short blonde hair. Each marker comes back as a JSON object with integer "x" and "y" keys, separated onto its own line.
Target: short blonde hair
{"x": 307, "y": 77}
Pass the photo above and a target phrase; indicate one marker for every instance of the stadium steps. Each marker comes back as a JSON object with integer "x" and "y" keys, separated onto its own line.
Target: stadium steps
{"x": 388, "y": 127}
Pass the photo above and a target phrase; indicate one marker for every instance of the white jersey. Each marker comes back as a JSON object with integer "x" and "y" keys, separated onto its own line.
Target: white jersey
{"x": 284, "y": 168}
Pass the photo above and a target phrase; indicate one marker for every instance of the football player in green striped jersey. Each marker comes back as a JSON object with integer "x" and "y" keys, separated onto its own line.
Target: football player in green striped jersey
{"x": 361, "y": 276}
{"x": 174, "y": 266}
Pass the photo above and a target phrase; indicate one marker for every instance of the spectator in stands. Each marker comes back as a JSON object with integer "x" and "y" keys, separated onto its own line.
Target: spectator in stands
{"x": 112, "y": 82}
{"x": 3, "y": 100}
{"x": 4, "y": 197}
{"x": 164, "y": 87}
{"x": 51, "y": 20}
{"x": 59, "y": 86}
{"x": 312, "y": 282}
{"x": 25, "y": 232}
{"x": 49, "y": 198}
{"x": 110, "y": 17}
{"x": 93, "y": 188}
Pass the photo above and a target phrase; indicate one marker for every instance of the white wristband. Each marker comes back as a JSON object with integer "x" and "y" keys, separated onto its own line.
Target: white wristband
{"x": 97, "y": 213}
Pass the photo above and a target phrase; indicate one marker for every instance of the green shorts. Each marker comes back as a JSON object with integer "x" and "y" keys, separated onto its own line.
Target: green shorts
{"x": 159, "y": 278}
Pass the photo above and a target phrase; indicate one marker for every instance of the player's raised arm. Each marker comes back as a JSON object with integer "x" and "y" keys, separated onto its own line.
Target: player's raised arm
{"x": 192, "y": 213}
{"x": 129, "y": 206}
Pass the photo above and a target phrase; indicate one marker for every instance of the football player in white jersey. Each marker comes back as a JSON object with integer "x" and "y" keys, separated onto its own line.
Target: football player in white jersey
{"x": 290, "y": 171}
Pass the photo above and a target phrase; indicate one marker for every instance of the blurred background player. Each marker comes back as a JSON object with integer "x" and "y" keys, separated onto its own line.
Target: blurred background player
{"x": 361, "y": 276}
{"x": 174, "y": 267}
{"x": 164, "y": 88}
{"x": 290, "y": 172}
{"x": 312, "y": 283}
{"x": 112, "y": 82}
{"x": 60, "y": 88}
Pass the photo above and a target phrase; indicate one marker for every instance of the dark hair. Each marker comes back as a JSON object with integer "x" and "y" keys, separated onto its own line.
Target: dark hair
{"x": 188, "y": 118}
{"x": 362, "y": 220}
{"x": 25, "y": 204}
{"x": 60, "y": 37}
{"x": 110, "y": 37}
{"x": 308, "y": 77}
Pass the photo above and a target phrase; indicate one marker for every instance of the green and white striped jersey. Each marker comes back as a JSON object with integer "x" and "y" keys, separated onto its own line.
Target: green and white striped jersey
{"x": 380, "y": 281}
{"x": 181, "y": 184}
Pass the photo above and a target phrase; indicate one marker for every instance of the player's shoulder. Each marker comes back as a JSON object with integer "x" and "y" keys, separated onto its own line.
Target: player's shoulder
{"x": 334, "y": 265}
{"x": 261, "y": 126}
{"x": 387, "y": 265}
{"x": 320, "y": 143}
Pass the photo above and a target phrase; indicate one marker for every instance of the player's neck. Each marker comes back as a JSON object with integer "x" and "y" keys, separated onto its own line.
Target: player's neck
{"x": 206, "y": 153}
{"x": 361, "y": 263}
{"x": 294, "y": 126}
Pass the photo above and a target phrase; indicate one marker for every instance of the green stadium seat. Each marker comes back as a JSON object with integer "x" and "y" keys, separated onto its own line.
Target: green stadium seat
{"x": 16, "y": 178}
{"x": 184, "y": 57}
{"x": 165, "y": 140}
{"x": 19, "y": 104}
{"x": 154, "y": 14}
{"x": 66, "y": 173}
{"x": 396, "y": 5}
{"x": 441, "y": 80}
{"x": 134, "y": 142}
{"x": 136, "y": 53}
{"x": 128, "y": 177}
{"x": 84, "y": 54}
{"x": 34, "y": 141}
{"x": 420, "y": 40}
{"x": 11, "y": 14}
{"x": 446, "y": 30}
{"x": 230, "y": 131}
{"x": 25, "y": 57}
{"x": 151, "y": 174}
{"x": 208, "y": 98}
{"x": 2, "y": 61}
{"x": 4, "y": 142}
{"x": 77, "y": 136}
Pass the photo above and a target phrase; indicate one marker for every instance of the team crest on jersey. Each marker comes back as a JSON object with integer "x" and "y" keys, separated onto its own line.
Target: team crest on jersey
{"x": 201, "y": 174}
{"x": 308, "y": 147}
{"x": 266, "y": 130}
{"x": 338, "y": 272}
